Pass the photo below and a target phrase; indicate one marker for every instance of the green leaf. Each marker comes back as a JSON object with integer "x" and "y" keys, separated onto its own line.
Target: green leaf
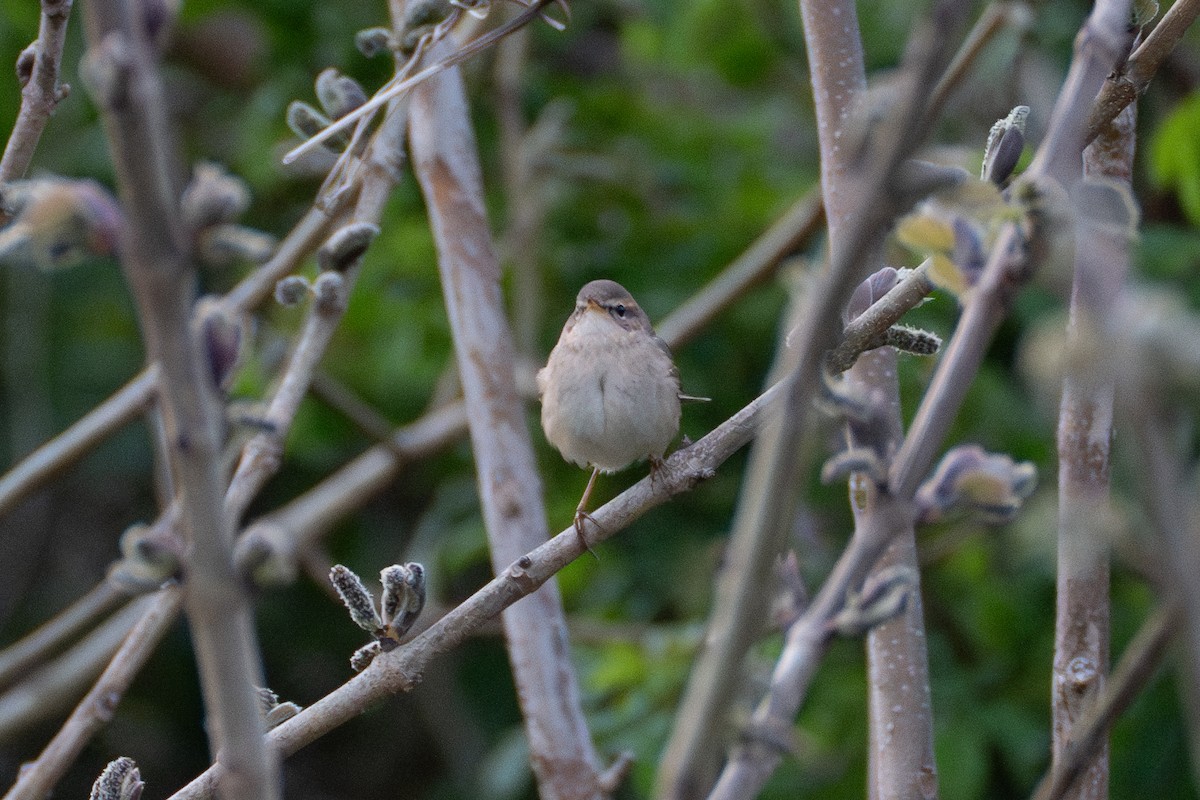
{"x": 1175, "y": 155}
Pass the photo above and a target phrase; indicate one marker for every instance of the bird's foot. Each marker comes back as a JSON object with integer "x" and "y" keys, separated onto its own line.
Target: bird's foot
{"x": 580, "y": 516}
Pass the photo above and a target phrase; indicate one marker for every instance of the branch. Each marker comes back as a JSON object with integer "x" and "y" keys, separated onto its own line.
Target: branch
{"x": 58, "y": 685}
{"x": 1059, "y": 161}
{"x": 1084, "y": 438}
{"x": 857, "y": 216}
{"x": 402, "y": 669}
{"x": 447, "y": 167}
{"x": 1133, "y": 77}
{"x": 133, "y": 106}
{"x": 41, "y": 92}
{"x": 66, "y": 628}
{"x": 757, "y": 756}
{"x": 38, "y": 778}
{"x": 1131, "y": 676}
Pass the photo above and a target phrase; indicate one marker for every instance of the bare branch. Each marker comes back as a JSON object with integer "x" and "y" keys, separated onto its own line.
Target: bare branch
{"x": 447, "y": 166}
{"x": 127, "y": 88}
{"x": 1084, "y": 439}
{"x": 38, "y": 778}
{"x": 1131, "y": 676}
{"x": 1125, "y": 84}
{"x": 41, "y": 93}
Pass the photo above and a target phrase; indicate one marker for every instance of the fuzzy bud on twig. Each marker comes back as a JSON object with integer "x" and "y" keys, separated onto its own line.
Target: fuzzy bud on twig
{"x": 346, "y": 246}
{"x": 213, "y": 196}
{"x": 120, "y": 780}
{"x": 354, "y": 594}
{"x": 25, "y": 62}
{"x": 403, "y": 597}
{"x": 58, "y": 223}
{"x": 969, "y": 478}
{"x": 338, "y": 94}
{"x": 306, "y": 122}
{"x": 884, "y": 595}
{"x": 330, "y": 293}
{"x": 292, "y": 290}
{"x": 364, "y": 655}
{"x": 1005, "y": 142}
{"x": 223, "y": 337}
{"x": 373, "y": 41}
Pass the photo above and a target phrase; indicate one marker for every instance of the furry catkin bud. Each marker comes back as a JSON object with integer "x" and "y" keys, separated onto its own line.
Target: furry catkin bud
{"x": 1005, "y": 142}
{"x": 347, "y": 244}
{"x": 330, "y": 293}
{"x": 58, "y": 223}
{"x": 354, "y": 594}
{"x": 120, "y": 780}
{"x": 373, "y": 41}
{"x": 364, "y": 655}
{"x": 338, "y": 93}
{"x": 222, "y": 336}
{"x": 884, "y": 596}
{"x": 403, "y": 596}
{"x": 916, "y": 341}
{"x": 968, "y": 478}
{"x": 306, "y": 122}
{"x": 292, "y": 290}
{"x": 227, "y": 244}
{"x": 213, "y": 196}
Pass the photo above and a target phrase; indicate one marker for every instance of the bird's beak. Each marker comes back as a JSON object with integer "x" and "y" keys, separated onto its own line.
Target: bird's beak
{"x": 592, "y": 305}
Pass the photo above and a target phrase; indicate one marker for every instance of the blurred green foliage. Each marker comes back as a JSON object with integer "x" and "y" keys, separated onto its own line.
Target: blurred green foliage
{"x": 689, "y": 129}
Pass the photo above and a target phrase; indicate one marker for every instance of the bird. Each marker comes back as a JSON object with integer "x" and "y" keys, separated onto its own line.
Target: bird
{"x": 610, "y": 390}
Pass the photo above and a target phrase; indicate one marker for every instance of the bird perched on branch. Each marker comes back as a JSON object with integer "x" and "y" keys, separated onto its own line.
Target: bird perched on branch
{"x": 610, "y": 391}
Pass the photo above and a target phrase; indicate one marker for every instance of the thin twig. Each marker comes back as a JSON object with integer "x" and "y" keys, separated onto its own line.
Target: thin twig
{"x": 58, "y": 685}
{"x": 41, "y": 94}
{"x": 38, "y": 778}
{"x": 65, "y": 628}
{"x": 788, "y": 235}
{"x": 995, "y": 18}
{"x": 857, "y": 215}
{"x": 866, "y": 331}
{"x": 133, "y": 399}
{"x": 55, "y": 456}
{"x": 1134, "y": 76}
{"x": 398, "y": 88}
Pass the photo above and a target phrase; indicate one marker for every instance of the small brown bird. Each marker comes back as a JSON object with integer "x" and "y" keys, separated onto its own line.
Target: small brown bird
{"x": 610, "y": 391}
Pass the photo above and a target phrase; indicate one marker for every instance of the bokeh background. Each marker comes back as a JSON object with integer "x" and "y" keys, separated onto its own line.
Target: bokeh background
{"x": 677, "y": 132}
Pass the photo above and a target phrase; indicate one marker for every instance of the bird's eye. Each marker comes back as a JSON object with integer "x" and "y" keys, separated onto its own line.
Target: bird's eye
{"x": 619, "y": 309}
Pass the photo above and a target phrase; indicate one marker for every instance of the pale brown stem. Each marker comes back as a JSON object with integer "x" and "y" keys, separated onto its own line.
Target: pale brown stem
{"x": 57, "y": 685}
{"x": 1125, "y": 84}
{"x": 1132, "y": 675}
{"x": 40, "y": 95}
{"x": 37, "y": 779}
{"x": 1081, "y": 649}
{"x": 447, "y": 167}
{"x": 154, "y": 257}
{"x": 862, "y": 194}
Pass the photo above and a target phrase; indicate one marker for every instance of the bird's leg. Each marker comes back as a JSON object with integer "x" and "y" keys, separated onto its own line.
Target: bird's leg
{"x": 581, "y": 512}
